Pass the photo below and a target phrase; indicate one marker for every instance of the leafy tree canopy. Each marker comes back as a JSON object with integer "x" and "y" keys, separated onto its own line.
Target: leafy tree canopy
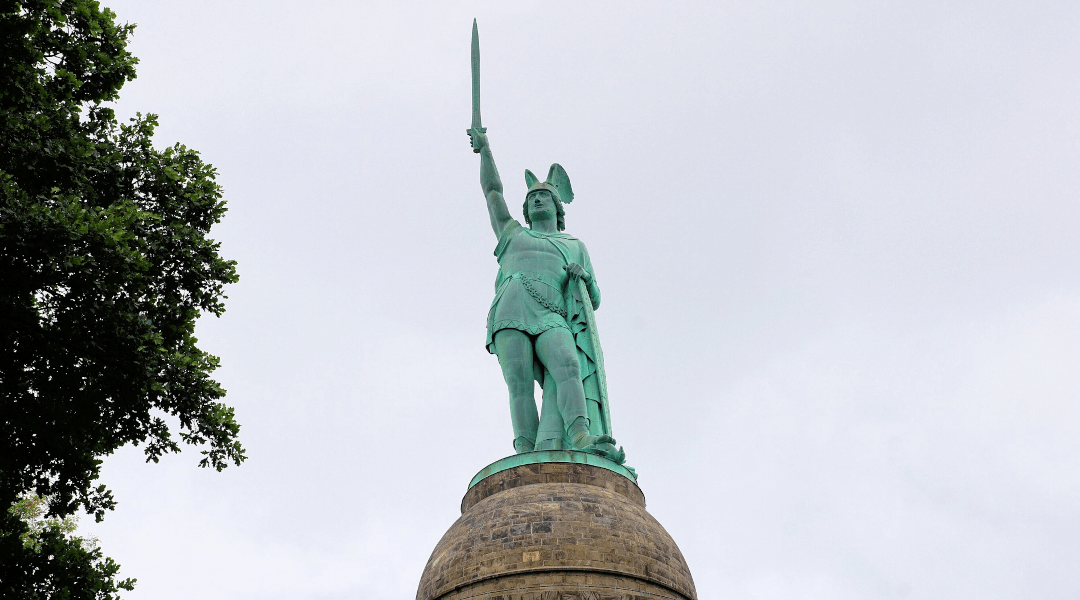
{"x": 105, "y": 265}
{"x": 73, "y": 566}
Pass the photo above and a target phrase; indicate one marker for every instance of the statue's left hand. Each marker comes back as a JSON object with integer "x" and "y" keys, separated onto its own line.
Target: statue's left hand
{"x": 577, "y": 271}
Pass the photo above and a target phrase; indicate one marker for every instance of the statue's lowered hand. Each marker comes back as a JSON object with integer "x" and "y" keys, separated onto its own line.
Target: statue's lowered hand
{"x": 577, "y": 271}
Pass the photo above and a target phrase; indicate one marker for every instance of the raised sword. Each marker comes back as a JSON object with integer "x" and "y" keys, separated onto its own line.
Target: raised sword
{"x": 476, "y": 83}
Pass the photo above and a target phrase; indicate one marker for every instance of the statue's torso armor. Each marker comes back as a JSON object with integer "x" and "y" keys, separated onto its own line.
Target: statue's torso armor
{"x": 531, "y": 287}
{"x": 529, "y": 254}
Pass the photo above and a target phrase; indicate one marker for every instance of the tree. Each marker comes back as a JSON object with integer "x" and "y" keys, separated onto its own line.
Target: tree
{"x": 105, "y": 265}
{"x": 77, "y": 564}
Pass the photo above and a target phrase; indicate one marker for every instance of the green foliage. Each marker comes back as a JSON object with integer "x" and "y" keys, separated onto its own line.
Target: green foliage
{"x": 105, "y": 266}
{"x": 43, "y": 558}
{"x": 31, "y": 510}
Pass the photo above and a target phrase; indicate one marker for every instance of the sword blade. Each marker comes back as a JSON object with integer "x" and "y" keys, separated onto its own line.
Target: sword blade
{"x": 475, "y": 77}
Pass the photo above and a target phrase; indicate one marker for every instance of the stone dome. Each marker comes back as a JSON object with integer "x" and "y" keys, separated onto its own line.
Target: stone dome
{"x": 556, "y": 530}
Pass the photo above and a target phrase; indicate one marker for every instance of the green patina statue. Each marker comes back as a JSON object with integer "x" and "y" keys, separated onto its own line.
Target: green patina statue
{"x": 541, "y": 324}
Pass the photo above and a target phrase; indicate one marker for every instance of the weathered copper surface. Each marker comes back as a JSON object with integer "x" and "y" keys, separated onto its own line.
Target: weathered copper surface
{"x": 541, "y": 322}
{"x": 551, "y": 456}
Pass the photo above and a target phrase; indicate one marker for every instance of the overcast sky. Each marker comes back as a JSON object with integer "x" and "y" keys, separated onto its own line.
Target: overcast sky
{"x": 837, "y": 243}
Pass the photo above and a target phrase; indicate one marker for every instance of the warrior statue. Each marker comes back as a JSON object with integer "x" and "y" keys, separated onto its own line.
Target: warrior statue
{"x": 537, "y": 324}
{"x": 541, "y": 323}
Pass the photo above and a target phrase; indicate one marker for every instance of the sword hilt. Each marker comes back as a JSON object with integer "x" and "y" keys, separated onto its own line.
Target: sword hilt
{"x": 470, "y": 132}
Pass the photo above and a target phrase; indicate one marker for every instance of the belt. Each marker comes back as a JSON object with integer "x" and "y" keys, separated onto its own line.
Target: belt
{"x": 526, "y": 282}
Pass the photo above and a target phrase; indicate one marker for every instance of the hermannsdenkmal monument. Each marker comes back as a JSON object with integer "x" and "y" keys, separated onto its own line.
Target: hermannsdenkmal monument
{"x": 538, "y": 325}
{"x": 563, "y": 517}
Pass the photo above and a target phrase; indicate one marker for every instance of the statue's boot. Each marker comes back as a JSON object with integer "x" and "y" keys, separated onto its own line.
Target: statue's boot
{"x": 604, "y": 445}
{"x": 579, "y": 435}
{"x": 608, "y": 451}
{"x": 523, "y": 444}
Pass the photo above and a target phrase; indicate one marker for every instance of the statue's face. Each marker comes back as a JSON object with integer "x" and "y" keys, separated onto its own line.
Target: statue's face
{"x": 541, "y": 206}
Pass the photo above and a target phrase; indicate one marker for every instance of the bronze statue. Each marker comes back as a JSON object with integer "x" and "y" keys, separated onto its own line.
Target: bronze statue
{"x": 541, "y": 323}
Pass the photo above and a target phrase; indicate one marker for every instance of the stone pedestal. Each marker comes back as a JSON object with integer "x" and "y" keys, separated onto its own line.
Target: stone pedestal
{"x": 555, "y": 530}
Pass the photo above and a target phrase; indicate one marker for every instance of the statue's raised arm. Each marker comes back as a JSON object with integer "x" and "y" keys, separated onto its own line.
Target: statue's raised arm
{"x": 490, "y": 183}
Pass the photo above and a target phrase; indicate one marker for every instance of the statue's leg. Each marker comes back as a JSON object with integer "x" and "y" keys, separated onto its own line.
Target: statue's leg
{"x": 558, "y": 352}
{"x": 515, "y": 351}
{"x": 552, "y": 431}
